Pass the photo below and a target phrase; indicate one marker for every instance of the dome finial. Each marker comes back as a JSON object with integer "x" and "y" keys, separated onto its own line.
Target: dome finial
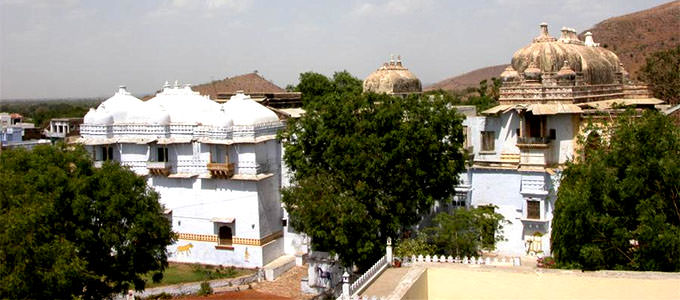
{"x": 176, "y": 84}
{"x": 391, "y": 59}
{"x": 399, "y": 60}
{"x": 544, "y": 36}
{"x": 589, "y": 40}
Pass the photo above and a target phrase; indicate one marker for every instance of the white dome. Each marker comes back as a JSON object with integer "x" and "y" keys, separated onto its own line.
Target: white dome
{"x": 221, "y": 119}
{"x": 184, "y": 105}
{"x": 245, "y": 111}
{"x": 98, "y": 117}
{"x": 90, "y": 116}
{"x": 120, "y": 104}
{"x": 149, "y": 113}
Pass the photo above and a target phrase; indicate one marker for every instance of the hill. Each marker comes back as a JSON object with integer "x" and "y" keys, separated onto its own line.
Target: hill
{"x": 469, "y": 79}
{"x": 634, "y": 36}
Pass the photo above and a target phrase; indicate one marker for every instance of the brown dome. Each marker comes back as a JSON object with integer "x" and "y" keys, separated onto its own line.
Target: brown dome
{"x": 392, "y": 78}
{"x": 598, "y": 65}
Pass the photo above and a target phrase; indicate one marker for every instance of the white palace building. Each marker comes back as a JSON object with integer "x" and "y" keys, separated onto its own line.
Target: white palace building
{"x": 217, "y": 168}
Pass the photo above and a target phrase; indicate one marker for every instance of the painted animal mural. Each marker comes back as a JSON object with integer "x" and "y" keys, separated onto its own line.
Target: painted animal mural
{"x": 185, "y": 249}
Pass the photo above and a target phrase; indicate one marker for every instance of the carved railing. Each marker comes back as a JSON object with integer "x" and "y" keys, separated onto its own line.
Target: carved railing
{"x": 362, "y": 282}
{"x": 160, "y": 168}
{"x": 221, "y": 170}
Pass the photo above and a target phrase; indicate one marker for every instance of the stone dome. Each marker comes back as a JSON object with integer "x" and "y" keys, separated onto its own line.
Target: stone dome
{"x": 392, "y": 78}
{"x": 596, "y": 64}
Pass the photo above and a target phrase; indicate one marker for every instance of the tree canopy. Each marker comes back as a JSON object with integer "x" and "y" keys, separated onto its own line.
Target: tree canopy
{"x": 365, "y": 165}
{"x": 662, "y": 72}
{"x": 69, "y": 230}
{"x": 618, "y": 207}
{"x": 465, "y": 232}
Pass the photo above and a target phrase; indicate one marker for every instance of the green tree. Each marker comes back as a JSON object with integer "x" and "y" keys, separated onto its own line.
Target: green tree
{"x": 314, "y": 85}
{"x": 662, "y": 72}
{"x": 69, "y": 230}
{"x": 366, "y": 165}
{"x": 618, "y": 206}
{"x": 465, "y": 232}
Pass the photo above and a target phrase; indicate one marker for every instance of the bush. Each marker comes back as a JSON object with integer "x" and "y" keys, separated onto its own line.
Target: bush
{"x": 413, "y": 246}
{"x": 205, "y": 289}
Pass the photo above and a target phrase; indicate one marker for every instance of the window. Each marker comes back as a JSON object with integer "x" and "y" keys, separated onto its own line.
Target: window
{"x": 162, "y": 154}
{"x": 553, "y": 134}
{"x": 488, "y": 140}
{"x": 533, "y": 209}
{"x": 104, "y": 153}
{"x": 225, "y": 235}
{"x": 218, "y": 154}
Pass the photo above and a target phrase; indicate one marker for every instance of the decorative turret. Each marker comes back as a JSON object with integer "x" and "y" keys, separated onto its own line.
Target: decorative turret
{"x": 532, "y": 73}
{"x": 566, "y": 72}
{"x": 509, "y": 74}
{"x": 589, "y": 40}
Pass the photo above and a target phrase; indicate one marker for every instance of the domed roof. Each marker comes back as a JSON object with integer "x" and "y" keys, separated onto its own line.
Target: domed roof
{"x": 184, "y": 105}
{"x": 598, "y": 65}
{"x": 98, "y": 116}
{"x": 221, "y": 119}
{"x": 149, "y": 113}
{"x": 245, "y": 111}
{"x": 120, "y": 104}
{"x": 392, "y": 78}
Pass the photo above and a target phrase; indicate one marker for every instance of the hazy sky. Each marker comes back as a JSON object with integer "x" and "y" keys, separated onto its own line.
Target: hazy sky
{"x": 79, "y": 48}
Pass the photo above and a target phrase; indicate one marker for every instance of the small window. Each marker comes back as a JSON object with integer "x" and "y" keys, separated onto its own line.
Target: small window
{"x": 488, "y": 140}
{"x": 533, "y": 209}
{"x": 517, "y": 131}
{"x": 553, "y": 134}
{"x": 225, "y": 235}
{"x": 284, "y": 222}
{"x": 162, "y": 154}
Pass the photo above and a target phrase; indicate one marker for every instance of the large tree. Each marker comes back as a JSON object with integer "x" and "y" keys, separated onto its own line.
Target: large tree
{"x": 366, "y": 165}
{"x": 618, "y": 207}
{"x": 662, "y": 72}
{"x": 69, "y": 230}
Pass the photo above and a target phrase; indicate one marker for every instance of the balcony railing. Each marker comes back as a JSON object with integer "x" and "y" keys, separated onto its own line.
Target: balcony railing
{"x": 160, "y": 168}
{"x": 526, "y": 140}
{"x": 221, "y": 170}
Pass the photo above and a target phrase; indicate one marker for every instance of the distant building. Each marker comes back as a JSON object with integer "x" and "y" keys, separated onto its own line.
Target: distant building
{"x": 393, "y": 78}
{"x": 60, "y": 128}
{"x": 257, "y": 87}
{"x": 217, "y": 168}
{"x": 15, "y": 133}
{"x": 551, "y": 90}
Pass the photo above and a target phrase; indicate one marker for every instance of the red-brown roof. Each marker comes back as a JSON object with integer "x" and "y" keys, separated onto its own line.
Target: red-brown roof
{"x": 251, "y": 83}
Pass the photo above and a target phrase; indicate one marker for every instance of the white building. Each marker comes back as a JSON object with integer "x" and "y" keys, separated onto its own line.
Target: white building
{"x": 217, "y": 168}
{"x": 551, "y": 90}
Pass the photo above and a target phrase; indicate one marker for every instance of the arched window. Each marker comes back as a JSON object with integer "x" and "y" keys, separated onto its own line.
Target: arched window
{"x": 225, "y": 235}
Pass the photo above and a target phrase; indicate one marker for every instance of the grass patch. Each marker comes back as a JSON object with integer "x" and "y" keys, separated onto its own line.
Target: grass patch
{"x": 181, "y": 273}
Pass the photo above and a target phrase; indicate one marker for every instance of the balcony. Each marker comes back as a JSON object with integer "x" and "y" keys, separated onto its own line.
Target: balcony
{"x": 221, "y": 170}
{"x": 159, "y": 168}
{"x": 530, "y": 141}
